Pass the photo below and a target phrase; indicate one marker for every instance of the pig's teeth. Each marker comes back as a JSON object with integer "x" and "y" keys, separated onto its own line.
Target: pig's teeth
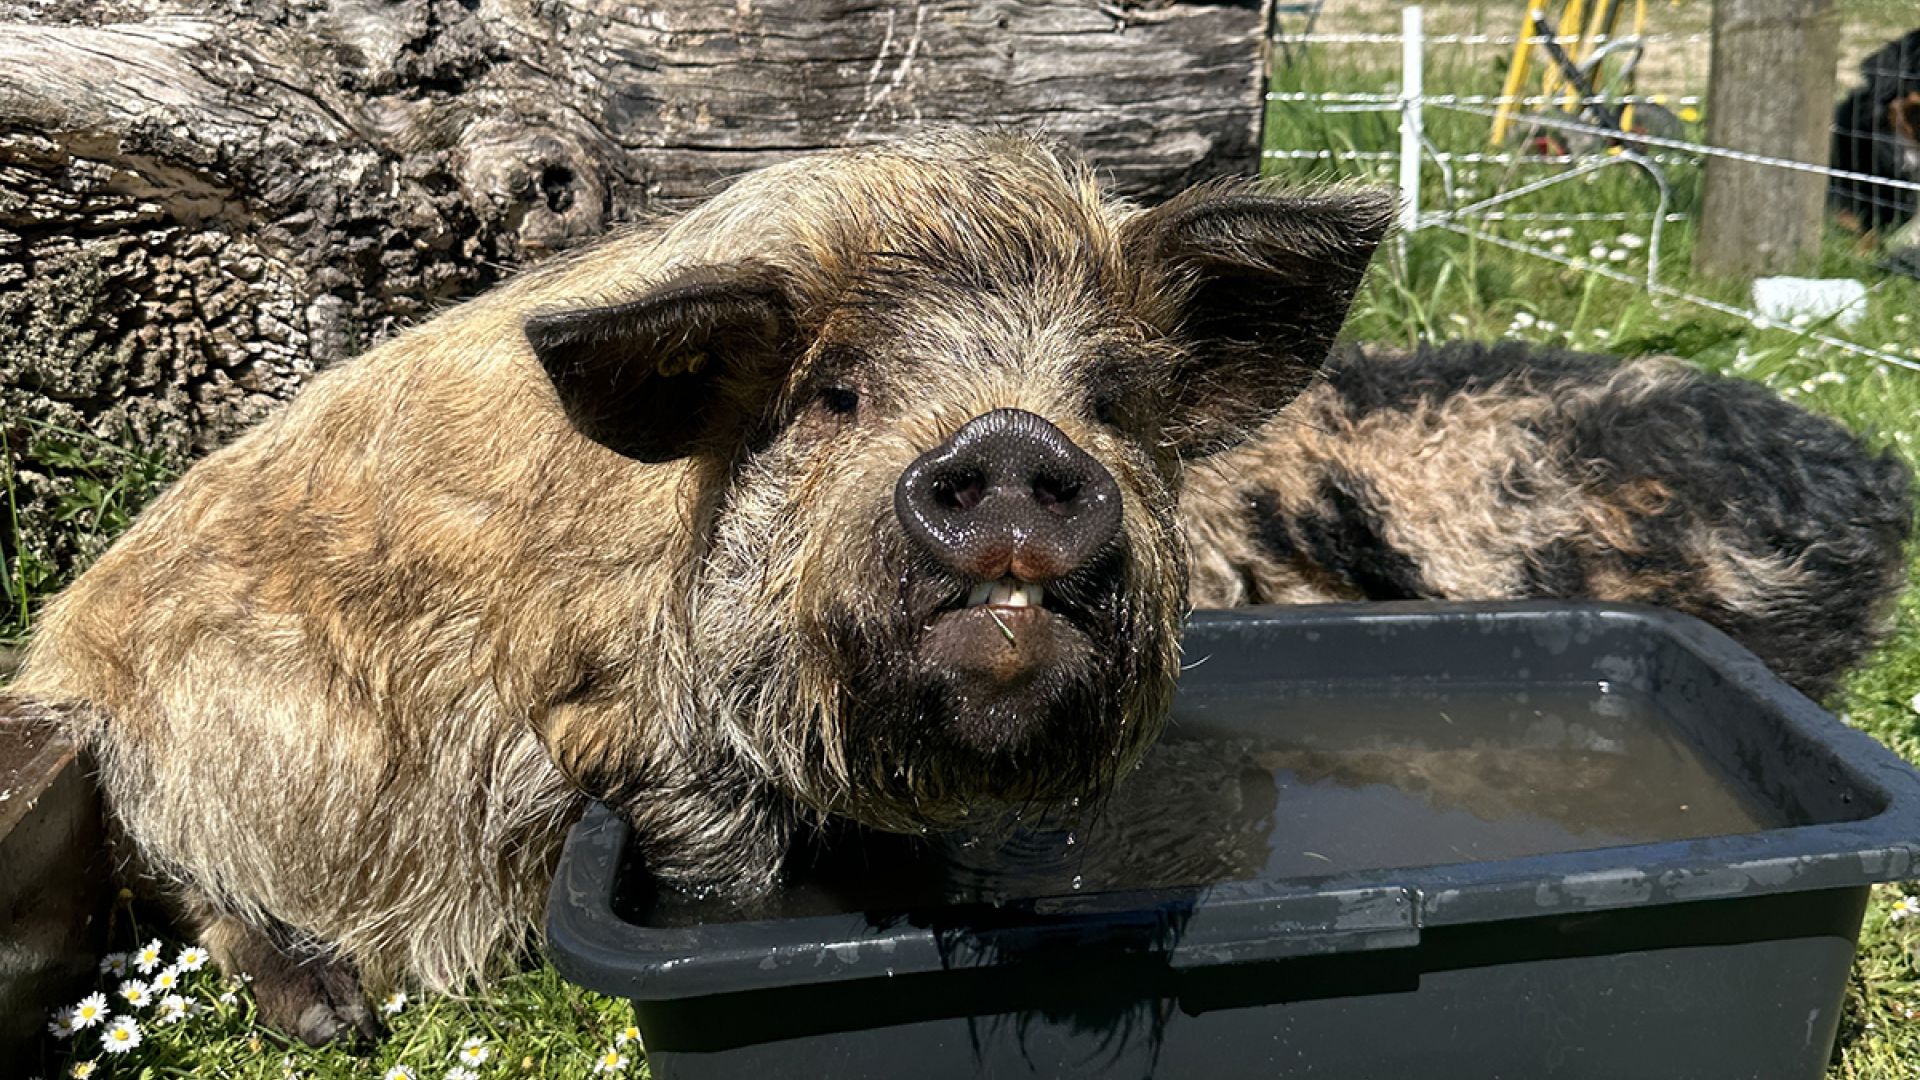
{"x": 1019, "y": 595}
{"x": 1006, "y": 593}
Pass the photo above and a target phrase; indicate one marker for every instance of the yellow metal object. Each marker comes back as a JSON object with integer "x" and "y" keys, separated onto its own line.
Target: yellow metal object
{"x": 1586, "y": 32}
{"x": 1639, "y": 28}
{"x": 1516, "y": 73}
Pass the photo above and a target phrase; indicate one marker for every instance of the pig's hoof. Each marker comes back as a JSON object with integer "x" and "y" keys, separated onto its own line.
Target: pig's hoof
{"x": 317, "y": 1001}
{"x": 310, "y": 996}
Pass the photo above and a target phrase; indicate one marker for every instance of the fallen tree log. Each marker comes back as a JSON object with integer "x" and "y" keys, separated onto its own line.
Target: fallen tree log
{"x": 204, "y": 201}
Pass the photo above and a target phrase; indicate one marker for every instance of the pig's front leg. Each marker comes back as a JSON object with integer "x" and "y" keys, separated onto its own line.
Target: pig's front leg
{"x": 701, "y": 816}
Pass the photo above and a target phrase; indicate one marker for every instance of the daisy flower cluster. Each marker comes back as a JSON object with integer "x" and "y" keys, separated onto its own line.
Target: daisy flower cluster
{"x": 1527, "y": 324}
{"x": 615, "y": 1058}
{"x": 149, "y": 990}
{"x": 1556, "y": 237}
{"x": 111, "y": 1022}
{"x": 1622, "y": 248}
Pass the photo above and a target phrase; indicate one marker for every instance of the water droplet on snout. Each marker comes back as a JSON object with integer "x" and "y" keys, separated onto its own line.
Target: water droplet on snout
{"x": 1076, "y": 882}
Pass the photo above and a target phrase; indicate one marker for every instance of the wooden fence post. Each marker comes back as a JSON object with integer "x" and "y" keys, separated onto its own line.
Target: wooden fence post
{"x": 1772, "y": 94}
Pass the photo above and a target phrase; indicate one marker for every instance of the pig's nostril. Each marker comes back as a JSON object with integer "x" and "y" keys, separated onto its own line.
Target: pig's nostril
{"x": 960, "y": 492}
{"x": 1055, "y": 493}
{"x": 1008, "y": 494}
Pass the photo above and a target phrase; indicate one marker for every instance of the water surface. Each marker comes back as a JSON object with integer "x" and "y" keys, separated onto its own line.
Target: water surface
{"x": 1285, "y": 781}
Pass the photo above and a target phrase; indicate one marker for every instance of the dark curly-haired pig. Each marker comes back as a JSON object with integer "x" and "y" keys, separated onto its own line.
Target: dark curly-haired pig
{"x": 1510, "y": 471}
{"x": 854, "y": 492}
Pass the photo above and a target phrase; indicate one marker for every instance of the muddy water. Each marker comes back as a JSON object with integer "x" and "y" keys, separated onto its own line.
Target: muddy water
{"x": 1280, "y": 781}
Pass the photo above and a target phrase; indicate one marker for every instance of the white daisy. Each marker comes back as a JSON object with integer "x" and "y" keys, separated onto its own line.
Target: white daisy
{"x": 91, "y": 1010}
{"x": 1908, "y": 907}
{"x": 192, "y": 958}
{"x": 166, "y": 981}
{"x": 148, "y": 957}
{"x": 82, "y": 1069}
{"x": 61, "y": 1026}
{"x": 121, "y": 1036}
{"x": 398, "y": 1072}
{"x": 474, "y": 1052}
{"x": 628, "y": 1034}
{"x": 394, "y": 1003}
{"x": 228, "y": 997}
{"x": 611, "y": 1061}
{"x": 114, "y": 964}
{"x": 173, "y": 1009}
{"x": 461, "y": 1072}
{"x": 135, "y": 993}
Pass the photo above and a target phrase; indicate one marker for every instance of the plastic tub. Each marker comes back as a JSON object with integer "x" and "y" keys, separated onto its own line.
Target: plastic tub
{"x": 1382, "y": 840}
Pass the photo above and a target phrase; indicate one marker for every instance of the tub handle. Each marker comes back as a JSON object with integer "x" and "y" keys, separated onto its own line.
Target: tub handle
{"x": 1254, "y": 929}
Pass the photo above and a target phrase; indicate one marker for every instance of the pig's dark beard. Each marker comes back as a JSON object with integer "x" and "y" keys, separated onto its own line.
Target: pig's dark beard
{"x": 929, "y": 747}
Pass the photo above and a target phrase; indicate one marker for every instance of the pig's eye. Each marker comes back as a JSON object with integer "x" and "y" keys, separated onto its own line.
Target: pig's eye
{"x": 1106, "y": 409}
{"x": 840, "y": 400}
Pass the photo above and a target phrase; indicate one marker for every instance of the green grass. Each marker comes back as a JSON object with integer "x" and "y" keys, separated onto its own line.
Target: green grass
{"x": 534, "y": 1023}
{"x": 103, "y": 484}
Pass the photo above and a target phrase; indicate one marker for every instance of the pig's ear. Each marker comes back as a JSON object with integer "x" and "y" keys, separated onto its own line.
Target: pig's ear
{"x": 1259, "y": 285}
{"x": 687, "y": 366}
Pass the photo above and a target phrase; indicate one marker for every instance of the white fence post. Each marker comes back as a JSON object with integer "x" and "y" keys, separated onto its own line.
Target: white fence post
{"x": 1412, "y": 89}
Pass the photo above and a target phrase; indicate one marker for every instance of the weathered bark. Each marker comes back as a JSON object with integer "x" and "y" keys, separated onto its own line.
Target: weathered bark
{"x": 1772, "y": 94}
{"x": 201, "y": 202}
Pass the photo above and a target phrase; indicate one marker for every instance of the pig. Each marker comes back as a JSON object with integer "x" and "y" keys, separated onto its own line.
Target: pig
{"x": 851, "y": 492}
{"x": 1475, "y": 471}
{"x": 876, "y": 488}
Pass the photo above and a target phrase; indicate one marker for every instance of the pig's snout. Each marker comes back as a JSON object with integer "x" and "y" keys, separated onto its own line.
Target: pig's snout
{"x": 1009, "y": 495}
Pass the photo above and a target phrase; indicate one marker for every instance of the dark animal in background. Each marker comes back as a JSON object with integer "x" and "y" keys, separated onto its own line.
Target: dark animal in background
{"x": 1876, "y": 131}
{"x": 871, "y": 489}
{"x": 1473, "y": 471}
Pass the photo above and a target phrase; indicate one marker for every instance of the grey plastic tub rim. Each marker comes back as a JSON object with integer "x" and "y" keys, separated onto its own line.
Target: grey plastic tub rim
{"x": 1242, "y": 922}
